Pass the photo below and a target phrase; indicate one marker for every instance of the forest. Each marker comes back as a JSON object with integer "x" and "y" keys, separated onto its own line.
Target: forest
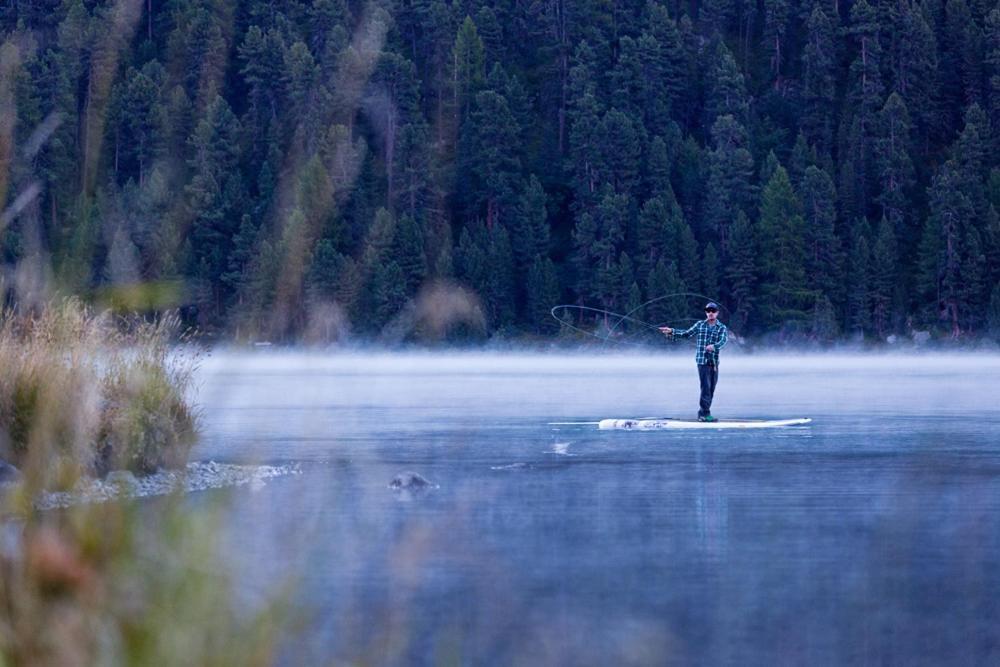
{"x": 827, "y": 170}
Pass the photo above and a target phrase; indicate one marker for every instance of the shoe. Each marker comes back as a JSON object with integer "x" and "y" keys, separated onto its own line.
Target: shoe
{"x": 702, "y": 418}
{"x": 709, "y": 418}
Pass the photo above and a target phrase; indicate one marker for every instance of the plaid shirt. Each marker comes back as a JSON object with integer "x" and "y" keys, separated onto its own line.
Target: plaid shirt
{"x": 706, "y": 335}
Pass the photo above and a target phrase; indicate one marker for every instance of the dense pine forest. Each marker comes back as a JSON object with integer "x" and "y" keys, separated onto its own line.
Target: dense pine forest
{"x": 825, "y": 170}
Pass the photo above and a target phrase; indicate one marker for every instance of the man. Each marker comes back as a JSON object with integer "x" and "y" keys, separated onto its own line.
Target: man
{"x": 712, "y": 336}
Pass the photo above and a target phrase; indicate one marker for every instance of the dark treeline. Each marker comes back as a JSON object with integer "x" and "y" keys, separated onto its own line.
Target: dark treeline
{"x": 825, "y": 169}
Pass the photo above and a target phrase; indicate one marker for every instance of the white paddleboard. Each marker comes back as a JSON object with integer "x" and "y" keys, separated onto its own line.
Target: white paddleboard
{"x": 654, "y": 424}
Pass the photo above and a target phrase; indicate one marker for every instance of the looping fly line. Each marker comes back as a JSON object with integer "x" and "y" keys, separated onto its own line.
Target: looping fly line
{"x": 626, "y": 318}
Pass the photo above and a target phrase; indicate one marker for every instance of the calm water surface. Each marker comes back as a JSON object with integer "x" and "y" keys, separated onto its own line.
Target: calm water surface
{"x": 871, "y": 536}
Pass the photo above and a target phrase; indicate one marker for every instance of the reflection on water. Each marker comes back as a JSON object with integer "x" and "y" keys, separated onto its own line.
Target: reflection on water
{"x": 869, "y": 536}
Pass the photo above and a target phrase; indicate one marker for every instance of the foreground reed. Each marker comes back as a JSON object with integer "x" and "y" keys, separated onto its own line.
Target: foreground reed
{"x": 117, "y": 583}
{"x": 84, "y": 393}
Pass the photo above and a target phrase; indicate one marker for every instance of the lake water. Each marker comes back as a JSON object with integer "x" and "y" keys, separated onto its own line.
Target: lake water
{"x": 871, "y": 536}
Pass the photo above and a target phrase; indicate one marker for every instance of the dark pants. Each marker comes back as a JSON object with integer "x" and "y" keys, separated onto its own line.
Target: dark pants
{"x": 709, "y": 376}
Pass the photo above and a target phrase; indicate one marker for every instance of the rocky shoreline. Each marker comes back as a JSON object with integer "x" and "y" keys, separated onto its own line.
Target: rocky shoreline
{"x": 197, "y": 476}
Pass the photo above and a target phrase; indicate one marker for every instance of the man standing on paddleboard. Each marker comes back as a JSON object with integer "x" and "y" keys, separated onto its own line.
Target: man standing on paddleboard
{"x": 712, "y": 336}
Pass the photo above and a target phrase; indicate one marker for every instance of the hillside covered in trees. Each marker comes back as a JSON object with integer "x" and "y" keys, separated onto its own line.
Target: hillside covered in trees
{"x": 825, "y": 169}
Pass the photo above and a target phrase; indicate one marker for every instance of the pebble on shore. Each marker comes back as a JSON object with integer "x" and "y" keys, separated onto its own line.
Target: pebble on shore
{"x": 194, "y": 477}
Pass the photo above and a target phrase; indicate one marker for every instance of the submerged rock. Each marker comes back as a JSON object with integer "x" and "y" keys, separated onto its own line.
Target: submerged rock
{"x": 409, "y": 481}
{"x": 8, "y": 473}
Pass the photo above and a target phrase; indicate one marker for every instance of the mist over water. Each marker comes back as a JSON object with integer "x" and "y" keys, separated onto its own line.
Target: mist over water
{"x": 868, "y": 536}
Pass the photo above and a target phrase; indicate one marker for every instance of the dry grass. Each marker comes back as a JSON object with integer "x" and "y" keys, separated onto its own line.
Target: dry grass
{"x": 84, "y": 393}
{"x": 118, "y": 583}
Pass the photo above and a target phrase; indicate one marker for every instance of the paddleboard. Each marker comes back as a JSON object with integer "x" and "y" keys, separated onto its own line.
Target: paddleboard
{"x": 654, "y": 424}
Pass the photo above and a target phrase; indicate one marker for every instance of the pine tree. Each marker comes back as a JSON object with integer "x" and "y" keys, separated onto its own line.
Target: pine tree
{"x": 138, "y": 113}
{"x": 408, "y": 251}
{"x": 961, "y": 57}
{"x": 741, "y": 272}
{"x": 973, "y": 292}
{"x": 657, "y": 172}
{"x": 710, "y": 272}
{"x": 858, "y": 275}
{"x": 942, "y": 245}
{"x": 775, "y": 26}
{"x": 663, "y": 285}
{"x": 542, "y": 295}
{"x": 620, "y": 141}
{"x": 468, "y": 68}
{"x": 860, "y": 118}
{"x": 214, "y": 194}
{"x": 394, "y": 104}
{"x": 489, "y": 158}
{"x": 896, "y": 174}
{"x": 784, "y": 295}
{"x": 389, "y": 293}
{"x": 725, "y": 88}
{"x": 824, "y": 256}
{"x": 583, "y": 115}
{"x": 730, "y": 182}
{"x": 530, "y": 227}
{"x": 884, "y": 276}
{"x": 500, "y": 284}
{"x": 914, "y": 61}
{"x": 612, "y": 219}
{"x": 819, "y": 60}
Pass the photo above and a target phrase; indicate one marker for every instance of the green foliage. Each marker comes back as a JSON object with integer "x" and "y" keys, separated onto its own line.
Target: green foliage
{"x": 580, "y": 131}
{"x": 784, "y": 294}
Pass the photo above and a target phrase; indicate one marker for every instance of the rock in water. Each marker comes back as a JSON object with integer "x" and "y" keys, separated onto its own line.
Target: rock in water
{"x": 409, "y": 481}
{"x": 9, "y": 474}
{"x": 122, "y": 478}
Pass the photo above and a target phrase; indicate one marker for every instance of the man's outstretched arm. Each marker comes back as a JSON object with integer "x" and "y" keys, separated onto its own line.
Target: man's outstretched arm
{"x": 674, "y": 333}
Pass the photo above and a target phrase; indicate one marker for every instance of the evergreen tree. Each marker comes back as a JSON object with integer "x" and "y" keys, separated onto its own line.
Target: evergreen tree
{"x": 725, "y": 88}
{"x": 530, "y": 227}
{"x": 819, "y": 61}
{"x": 468, "y": 68}
{"x": 389, "y": 293}
{"x": 665, "y": 283}
{"x": 943, "y": 245}
{"x": 215, "y": 195}
{"x": 858, "y": 313}
{"x": 730, "y": 181}
{"x": 824, "y": 256}
{"x": 914, "y": 61}
{"x": 776, "y": 16}
{"x": 138, "y": 111}
{"x": 583, "y": 115}
{"x": 884, "y": 275}
{"x": 741, "y": 272}
{"x": 860, "y": 118}
{"x": 489, "y": 158}
{"x": 710, "y": 271}
{"x": 408, "y": 251}
{"x": 657, "y": 170}
{"x": 895, "y": 169}
{"x": 500, "y": 284}
{"x": 542, "y": 295}
{"x": 784, "y": 295}
{"x": 961, "y": 58}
